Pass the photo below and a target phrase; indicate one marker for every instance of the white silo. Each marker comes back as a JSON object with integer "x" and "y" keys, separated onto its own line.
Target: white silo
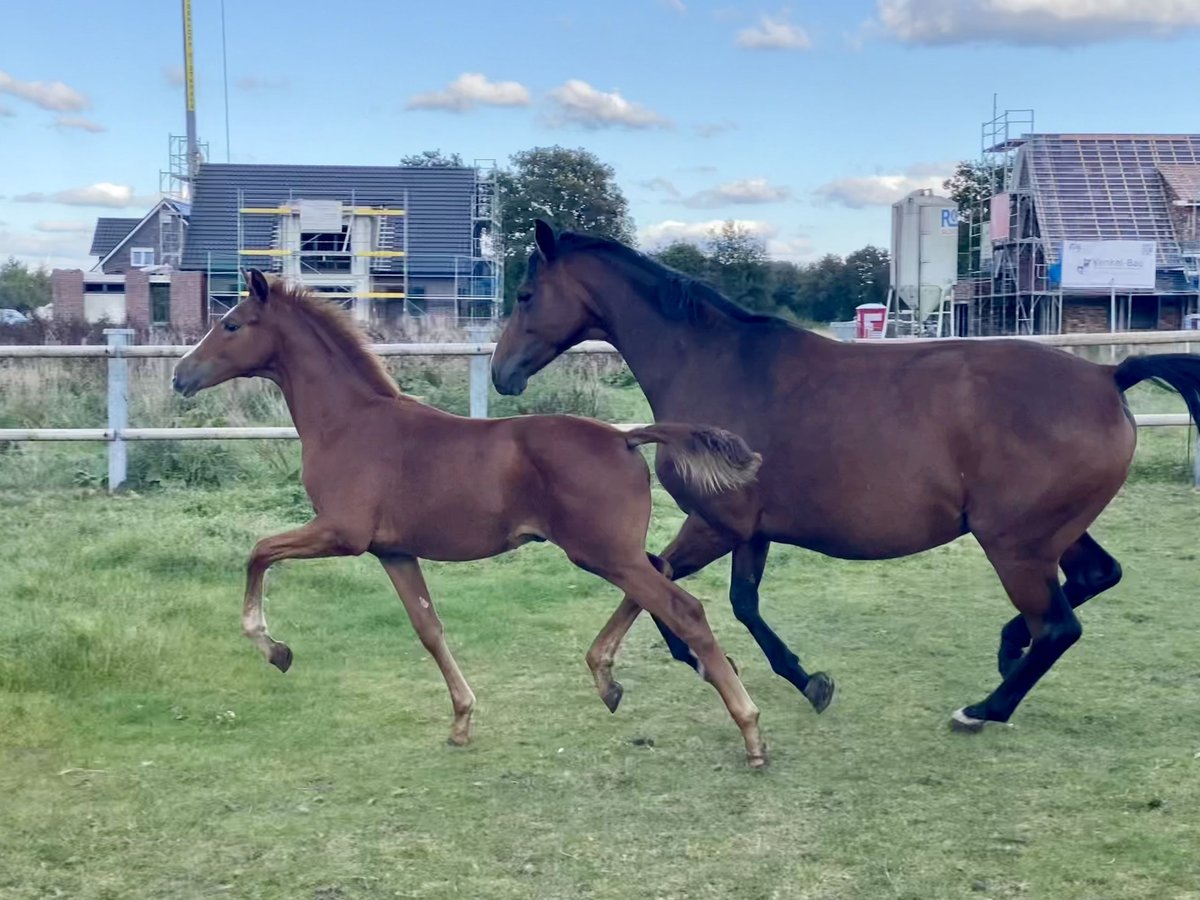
{"x": 924, "y": 263}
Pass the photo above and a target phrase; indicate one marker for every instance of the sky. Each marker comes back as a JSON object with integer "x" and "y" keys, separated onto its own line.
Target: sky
{"x": 802, "y": 120}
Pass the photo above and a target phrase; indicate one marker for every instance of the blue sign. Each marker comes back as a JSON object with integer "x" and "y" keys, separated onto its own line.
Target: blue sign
{"x": 949, "y": 218}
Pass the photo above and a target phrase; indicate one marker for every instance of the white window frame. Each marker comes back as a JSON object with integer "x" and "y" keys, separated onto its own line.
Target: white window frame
{"x": 133, "y": 256}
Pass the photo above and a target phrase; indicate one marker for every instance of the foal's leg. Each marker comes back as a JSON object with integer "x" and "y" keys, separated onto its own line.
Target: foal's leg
{"x": 696, "y": 545}
{"x": 684, "y": 615}
{"x": 1090, "y": 571}
{"x": 316, "y": 539}
{"x": 406, "y": 576}
{"x": 1032, "y": 585}
{"x": 603, "y": 652}
{"x": 749, "y": 560}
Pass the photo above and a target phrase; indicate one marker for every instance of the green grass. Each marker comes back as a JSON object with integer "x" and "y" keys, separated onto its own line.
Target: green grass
{"x": 146, "y": 750}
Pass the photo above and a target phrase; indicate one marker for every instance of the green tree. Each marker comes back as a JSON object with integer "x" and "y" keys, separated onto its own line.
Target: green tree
{"x": 23, "y": 288}
{"x": 570, "y": 189}
{"x": 433, "y": 159}
{"x": 972, "y": 183}
{"x": 686, "y": 258}
{"x": 739, "y": 265}
{"x": 868, "y": 273}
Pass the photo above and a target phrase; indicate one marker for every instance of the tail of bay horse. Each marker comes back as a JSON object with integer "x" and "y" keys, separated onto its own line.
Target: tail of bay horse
{"x": 870, "y": 450}
{"x": 390, "y": 476}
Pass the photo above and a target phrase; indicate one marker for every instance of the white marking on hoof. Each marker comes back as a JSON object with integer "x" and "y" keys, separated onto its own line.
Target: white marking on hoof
{"x": 968, "y": 723}
{"x": 424, "y": 603}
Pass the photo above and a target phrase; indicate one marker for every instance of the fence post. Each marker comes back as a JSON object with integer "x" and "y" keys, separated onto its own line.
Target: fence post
{"x": 118, "y": 403}
{"x": 479, "y": 372}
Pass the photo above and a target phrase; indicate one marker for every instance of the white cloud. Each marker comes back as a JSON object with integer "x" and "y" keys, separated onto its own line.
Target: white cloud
{"x": 104, "y": 194}
{"x": 859, "y": 192}
{"x": 1053, "y": 22}
{"x": 743, "y": 192}
{"x": 712, "y": 129}
{"x": 670, "y": 231}
{"x": 470, "y": 90}
{"x": 173, "y": 75}
{"x": 251, "y": 83}
{"x": 60, "y": 226}
{"x": 577, "y": 102}
{"x": 80, "y": 123}
{"x": 794, "y": 249}
{"x": 50, "y": 250}
{"x": 54, "y": 96}
{"x": 774, "y": 33}
{"x": 678, "y": 5}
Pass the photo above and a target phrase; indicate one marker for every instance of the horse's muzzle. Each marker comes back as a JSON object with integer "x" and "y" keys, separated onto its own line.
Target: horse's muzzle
{"x": 509, "y": 379}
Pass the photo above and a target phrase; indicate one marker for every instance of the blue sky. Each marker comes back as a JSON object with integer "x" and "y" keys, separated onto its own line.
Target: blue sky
{"x": 804, "y": 120}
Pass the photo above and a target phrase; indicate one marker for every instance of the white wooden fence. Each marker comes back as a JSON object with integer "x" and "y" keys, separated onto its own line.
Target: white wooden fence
{"x": 118, "y": 351}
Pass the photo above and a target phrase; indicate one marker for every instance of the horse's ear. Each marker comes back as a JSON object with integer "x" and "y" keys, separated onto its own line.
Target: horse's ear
{"x": 547, "y": 243}
{"x": 259, "y": 288}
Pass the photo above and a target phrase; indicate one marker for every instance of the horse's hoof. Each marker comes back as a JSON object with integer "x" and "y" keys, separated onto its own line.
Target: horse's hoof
{"x": 960, "y": 721}
{"x": 819, "y": 691}
{"x": 458, "y": 740}
{"x": 281, "y": 657}
{"x": 758, "y": 763}
{"x": 612, "y": 697}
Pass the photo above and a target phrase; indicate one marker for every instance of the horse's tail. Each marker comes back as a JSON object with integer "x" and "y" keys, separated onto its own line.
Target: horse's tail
{"x": 710, "y": 460}
{"x": 1180, "y": 371}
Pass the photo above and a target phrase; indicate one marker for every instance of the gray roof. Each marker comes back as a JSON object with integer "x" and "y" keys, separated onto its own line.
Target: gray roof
{"x": 109, "y": 233}
{"x": 1106, "y": 187}
{"x": 439, "y": 208}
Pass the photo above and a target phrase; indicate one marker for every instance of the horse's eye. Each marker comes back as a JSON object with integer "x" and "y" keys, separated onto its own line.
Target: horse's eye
{"x": 232, "y": 326}
{"x": 524, "y": 296}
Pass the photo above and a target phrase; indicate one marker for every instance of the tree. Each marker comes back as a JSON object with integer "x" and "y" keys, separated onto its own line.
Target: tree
{"x": 972, "y": 183}
{"x": 868, "y": 274}
{"x": 685, "y": 257}
{"x": 22, "y": 288}
{"x": 433, "y": 159}
{"x": 739, "y": 264}
{"x": 570, "y": 189}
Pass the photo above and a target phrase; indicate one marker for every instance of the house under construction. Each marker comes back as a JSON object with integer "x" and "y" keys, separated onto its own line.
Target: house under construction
{"x": 1074, "y": 193}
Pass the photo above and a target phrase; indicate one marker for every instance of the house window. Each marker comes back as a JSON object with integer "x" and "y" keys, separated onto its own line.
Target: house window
{"x": 325, "y": 251}
{"x": 141, "y": 256}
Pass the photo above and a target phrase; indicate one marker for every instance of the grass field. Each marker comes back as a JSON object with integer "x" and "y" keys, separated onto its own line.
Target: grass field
{"x": 146, "y": 750}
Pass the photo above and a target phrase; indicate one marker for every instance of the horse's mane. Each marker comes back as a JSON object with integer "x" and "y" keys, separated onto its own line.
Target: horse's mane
{"x": 342, "y": 333}
{"x": 676, "y": 295}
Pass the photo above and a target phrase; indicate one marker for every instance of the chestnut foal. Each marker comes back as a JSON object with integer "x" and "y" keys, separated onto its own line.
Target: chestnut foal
{"x": 393, "y": 477}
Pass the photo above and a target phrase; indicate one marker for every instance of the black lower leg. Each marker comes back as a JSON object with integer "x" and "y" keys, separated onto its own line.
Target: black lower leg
{"x": 1061, "y": 629}
{"x": 819, "y": 687}
{"x": 1090, "y": 571}
{"x": 679, "y": 649}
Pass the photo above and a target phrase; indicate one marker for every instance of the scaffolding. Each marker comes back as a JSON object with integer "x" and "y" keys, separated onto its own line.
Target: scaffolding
{"x": 174, "y": 183}
{"x": 479, "y": 278}
{"x": 338, "y": 244}
{"x": 1003, "y": 291}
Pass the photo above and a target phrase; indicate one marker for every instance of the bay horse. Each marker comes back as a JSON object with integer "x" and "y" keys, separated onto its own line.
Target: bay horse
{"x": 391, "y": 476}
{"x": 869, "y": 452}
